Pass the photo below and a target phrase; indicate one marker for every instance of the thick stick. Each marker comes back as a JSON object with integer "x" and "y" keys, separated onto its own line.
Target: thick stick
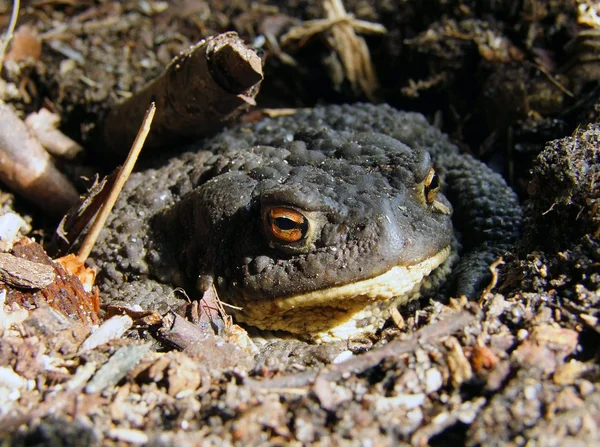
{"x": 203, "y": 88}
{"x": 27, "y": 168}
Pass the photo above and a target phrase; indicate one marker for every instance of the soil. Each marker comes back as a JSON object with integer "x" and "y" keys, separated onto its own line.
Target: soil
{"x": 513, "y": 83}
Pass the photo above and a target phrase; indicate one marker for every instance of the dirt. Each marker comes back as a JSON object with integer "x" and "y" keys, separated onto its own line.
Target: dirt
{"x": 514, "y": 83}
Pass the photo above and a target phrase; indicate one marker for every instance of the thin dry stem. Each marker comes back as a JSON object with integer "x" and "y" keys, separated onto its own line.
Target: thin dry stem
{"x": 10, "y": 32}
{"x": 124, "y": 173}
{"x": 342, "y": 29}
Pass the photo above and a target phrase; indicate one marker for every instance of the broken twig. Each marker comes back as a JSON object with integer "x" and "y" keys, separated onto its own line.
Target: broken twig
{"x": 117, "y": 367}
{"x": 181, "y": 332}
{"x": 44, "y": 125}
{"x": 429, "y": 334}
{"x": 201, "y": 89}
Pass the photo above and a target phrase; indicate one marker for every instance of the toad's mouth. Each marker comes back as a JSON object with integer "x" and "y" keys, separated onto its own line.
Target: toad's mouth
{"x": 348, "y": 310}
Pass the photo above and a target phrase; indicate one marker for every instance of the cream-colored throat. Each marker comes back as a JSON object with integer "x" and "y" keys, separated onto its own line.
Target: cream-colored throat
{"x": 345, "y": 311}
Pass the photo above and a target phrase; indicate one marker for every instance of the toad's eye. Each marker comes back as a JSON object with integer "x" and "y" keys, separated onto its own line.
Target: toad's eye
{"x": 432, "y": 186}
{"x": 286, "y": 225}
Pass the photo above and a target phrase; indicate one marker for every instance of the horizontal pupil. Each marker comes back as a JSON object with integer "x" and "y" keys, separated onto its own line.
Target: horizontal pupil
{"x": 284, "y": 223}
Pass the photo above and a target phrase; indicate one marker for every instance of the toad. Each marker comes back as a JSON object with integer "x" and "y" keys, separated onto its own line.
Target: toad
{"x": 316, "y": 223}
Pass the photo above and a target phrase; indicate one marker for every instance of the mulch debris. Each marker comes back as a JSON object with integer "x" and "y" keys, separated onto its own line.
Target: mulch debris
{"x": 517, "y": 367}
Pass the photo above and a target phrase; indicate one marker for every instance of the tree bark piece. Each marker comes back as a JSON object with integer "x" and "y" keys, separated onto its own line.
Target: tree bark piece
{"x": 28, "y": 169}
{"x": 66, "y": 294}
{"x": 24, "y": 274}
{"x": 204, "y": 87}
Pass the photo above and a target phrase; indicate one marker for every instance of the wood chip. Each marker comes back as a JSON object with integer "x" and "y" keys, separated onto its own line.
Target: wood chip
{"x": 590, "y": 320}
{"x": 117, "y": 367}
{"x": 181, "y": 332}
{"x": 24, "y": 274}
{"x": 141, "y": 318}
{"x": 11, "y": 225}
{"x": 115, "y": 327}
{"x": 65, "y": 294}
{"x": 8, "y": 319}
{"x": 10, "y": 379}
{"x": 568, "y": 373}
{"x": 546, "y": 347}
{"x": 460, "y": 368}
{"x": 128, "y": 435}
{"x": 81, "y": 376}
{"x": 483, "y": 359}
{"x": 184, "y": 375}
{"x": 397, "y": 318}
